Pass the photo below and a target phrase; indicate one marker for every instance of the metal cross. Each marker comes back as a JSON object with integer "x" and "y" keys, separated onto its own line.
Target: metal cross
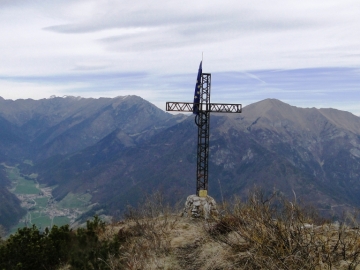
{"x": 202, "y": 108}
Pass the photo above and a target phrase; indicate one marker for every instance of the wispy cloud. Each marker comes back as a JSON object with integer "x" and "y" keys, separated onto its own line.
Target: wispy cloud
{"x": 322, "y": 87}
{"x": 305, "y": 52}
{"x": 85, "y": 66}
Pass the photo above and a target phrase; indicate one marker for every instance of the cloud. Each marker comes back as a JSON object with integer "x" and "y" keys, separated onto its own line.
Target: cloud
{"x": 305, "y": 52}
{"x": 300, "y": 87}
{"x": 234, "y": 35}
{"x": 169, "y": 25}
{"x": 88, "y": 66}
{"x": 185, "y": 23}
{"x": 11, "y": 3}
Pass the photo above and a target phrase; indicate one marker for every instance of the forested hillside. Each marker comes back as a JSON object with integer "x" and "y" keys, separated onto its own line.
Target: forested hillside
{"x": 10, "y": 209}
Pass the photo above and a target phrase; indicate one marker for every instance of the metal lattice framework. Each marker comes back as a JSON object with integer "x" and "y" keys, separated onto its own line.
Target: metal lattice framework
{"x": 202, "y": 120}
{"x": 214, "y": 107}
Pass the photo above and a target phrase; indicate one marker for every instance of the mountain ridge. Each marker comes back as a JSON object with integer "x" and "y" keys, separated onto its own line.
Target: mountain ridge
{"x": 52, "y": 124}
{"x": 312, "y": 152}
{"x": 293, "y": 141}
{"x": 50, "y": 128}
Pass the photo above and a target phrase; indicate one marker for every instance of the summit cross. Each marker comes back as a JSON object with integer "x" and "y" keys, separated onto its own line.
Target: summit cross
{"x": 202, "y": 108}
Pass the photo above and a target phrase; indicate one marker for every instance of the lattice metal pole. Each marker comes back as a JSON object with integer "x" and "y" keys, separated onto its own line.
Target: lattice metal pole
{"x": 202, "y": 108}
{"x": 203, "y": 123}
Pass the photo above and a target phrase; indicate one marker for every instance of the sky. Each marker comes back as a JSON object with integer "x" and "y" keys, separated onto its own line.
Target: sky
{"x": 305, "y": 53}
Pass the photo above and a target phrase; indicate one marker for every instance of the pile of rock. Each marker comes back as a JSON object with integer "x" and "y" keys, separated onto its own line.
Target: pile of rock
{"x": 200, "y": 207}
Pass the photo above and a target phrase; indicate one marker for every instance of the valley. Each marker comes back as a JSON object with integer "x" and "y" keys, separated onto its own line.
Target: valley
{"x": 115, "y": 151}
{"x": 42, "y": 210}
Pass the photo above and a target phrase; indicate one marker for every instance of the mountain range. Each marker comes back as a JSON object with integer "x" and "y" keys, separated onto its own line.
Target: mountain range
{"x": 119, "y": 149}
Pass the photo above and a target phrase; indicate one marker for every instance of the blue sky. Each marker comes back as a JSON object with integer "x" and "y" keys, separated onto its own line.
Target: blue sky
{"x": 305, "y": 53}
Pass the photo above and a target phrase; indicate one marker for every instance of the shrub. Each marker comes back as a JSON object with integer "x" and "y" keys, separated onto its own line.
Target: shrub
{"x": 29, "y": 248}
{"x": 275, "y": 233}
{"x": 89, "y": 252}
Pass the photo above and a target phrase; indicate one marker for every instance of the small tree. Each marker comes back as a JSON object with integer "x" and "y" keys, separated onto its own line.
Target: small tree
{"x": 29, "y": 248}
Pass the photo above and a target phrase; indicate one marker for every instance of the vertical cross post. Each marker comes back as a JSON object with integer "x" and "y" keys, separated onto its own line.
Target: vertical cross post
{"x": 202, "y": 120}
{"x": 202, "y": 108}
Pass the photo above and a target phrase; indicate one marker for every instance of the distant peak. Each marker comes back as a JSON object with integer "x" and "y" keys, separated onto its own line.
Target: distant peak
{"x": 73, "y": 97}
{"x": 272, "y": 101}
{"x": 127, "y": 96}
{"x": 265, "y": 105}
{"x": 66, "y": 96}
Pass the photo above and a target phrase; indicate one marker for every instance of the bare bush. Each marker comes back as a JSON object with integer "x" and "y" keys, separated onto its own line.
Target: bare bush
{"x": 147, "y": 233}
{"x": 273, "y": 233}
{"x": 264, "y": 232}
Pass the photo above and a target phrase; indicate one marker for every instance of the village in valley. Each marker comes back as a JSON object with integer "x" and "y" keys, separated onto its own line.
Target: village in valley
{"x": 42, "y": 209}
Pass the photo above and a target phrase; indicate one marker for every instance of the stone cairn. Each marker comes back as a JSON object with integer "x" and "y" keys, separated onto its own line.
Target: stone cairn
{"x": 200, "y": 207}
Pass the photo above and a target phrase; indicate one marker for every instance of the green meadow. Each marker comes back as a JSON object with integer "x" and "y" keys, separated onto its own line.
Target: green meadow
{"x": 41, "y": 203}
{"x": 41, "y": 221}
{"x": 22, "y": 186}
{"x": 60, "y": 221}
{"x": 75, "y": 201}
{"x": 36, "y": 214}
{"x": 26, "y": 187}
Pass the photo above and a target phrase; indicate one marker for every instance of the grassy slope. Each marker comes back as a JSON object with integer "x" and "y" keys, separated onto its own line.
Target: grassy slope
{"x": 181, "y": 243}
{"x": 265, "y": 232}
{"x": 262, "y": 233}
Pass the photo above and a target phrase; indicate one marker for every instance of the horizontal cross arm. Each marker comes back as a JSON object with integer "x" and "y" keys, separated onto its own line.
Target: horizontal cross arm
{"x": 179, "y": 106}
{"x": 212, "y": 107}
{"x": 225, "y": 108}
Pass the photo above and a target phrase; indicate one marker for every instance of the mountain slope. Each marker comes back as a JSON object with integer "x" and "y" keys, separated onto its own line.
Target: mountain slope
{"x": 66, "y": 125}
{"x": 49, "y": 128}
{"x": 313, "y": 153}
{"x": 10, "y": 209}
{"x": 119, "y": 149}
{"x": 11, "y": 141}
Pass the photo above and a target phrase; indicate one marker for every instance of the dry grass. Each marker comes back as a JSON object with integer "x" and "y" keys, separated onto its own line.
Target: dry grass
{"x": 261, "y": 233}
{"x": 277, "y": 234}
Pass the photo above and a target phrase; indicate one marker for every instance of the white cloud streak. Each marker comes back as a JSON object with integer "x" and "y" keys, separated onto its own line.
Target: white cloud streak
{"x": 61, "y": 40}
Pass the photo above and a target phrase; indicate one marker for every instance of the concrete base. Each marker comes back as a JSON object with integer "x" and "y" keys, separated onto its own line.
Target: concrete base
{"x": 200, "y": 207}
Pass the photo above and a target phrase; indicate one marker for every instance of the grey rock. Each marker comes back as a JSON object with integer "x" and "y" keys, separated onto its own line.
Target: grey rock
{"x": 200, "y": 207}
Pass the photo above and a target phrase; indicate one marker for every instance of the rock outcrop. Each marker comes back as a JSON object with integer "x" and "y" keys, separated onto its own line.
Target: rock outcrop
{"x": 200, "y": 207}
